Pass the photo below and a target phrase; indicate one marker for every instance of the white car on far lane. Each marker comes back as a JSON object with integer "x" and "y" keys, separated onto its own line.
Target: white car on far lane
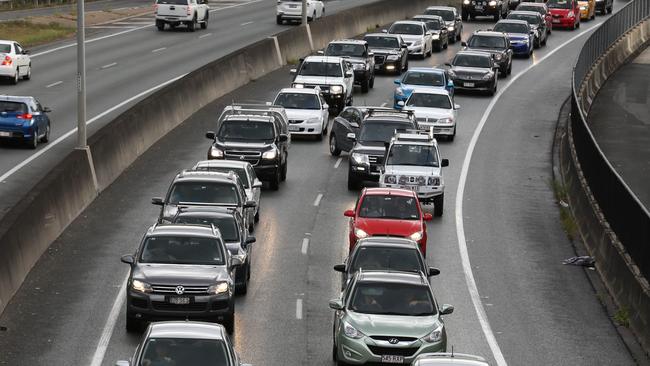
{"x": 433, "y": 108}
{"x": 416, "y": 35}
{"x": 15, "y": 62}
{"x": 306, "y": 109}
{"x": 291, "y": 10}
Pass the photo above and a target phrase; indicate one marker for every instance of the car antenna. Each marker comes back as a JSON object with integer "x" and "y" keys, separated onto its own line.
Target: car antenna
{"x": 452, "y": 351}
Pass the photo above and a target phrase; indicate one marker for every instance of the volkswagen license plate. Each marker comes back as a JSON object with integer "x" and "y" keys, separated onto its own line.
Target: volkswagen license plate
{"x": 179, "y": 300}
{"x": 392, "y": 359}
{"x": 468, "y": 85}
{"x": 5, "y": 134}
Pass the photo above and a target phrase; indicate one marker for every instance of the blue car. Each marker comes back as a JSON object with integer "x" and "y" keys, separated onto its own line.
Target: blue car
{"x": 24, "y": 119}
{"x": 421, "y": 77}
{"x": 522, "y": 39}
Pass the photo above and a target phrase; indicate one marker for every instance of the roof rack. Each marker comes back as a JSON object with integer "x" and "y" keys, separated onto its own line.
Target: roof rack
{"x": 414, "y": 135}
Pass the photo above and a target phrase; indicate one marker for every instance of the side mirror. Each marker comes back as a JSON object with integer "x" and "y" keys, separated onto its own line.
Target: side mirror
{"x": 447, "y": 64}
{"x": 463, "y": 43}
{"x": 446, "y": 309}
{"x": 532, "y": 32}
{"x": 326, "y": 106}
{"x": 122, "y": 363}
{"x": 433, "y": 271}
{"x": 371, "y": 54}
{"x": 340, "y": 268}
{"x": 251, "y": 240}
{"x": 456, "y": 106}
{"x": 401, "y": 104}
{"x": 349, "y": 74}
{"x": 25, "y": 52}
{"x": 210, "y": 135}
{"x": 450, "y": 84}
{"x": 46, "y": 110}
{"x": 336, "y": 304}
{"x": 351, "y": 136}
{"x": 128, "y": 259}
{"x": 405, "y": 46}
{"x": 348, "y": 213}
{"x": 397, "y": 81}
{"x": 283, "y": 138}
{"x": 250, "y": 204}
{"x": 236, "y": 260}
{"x": 293, "y": 71}
{"x": 320, "y": 52}
{"x": 427, "y": 217}
{"x": 445, "y": 162}
{"x": 157, "y": 201}
{"x": 257, "y": 183}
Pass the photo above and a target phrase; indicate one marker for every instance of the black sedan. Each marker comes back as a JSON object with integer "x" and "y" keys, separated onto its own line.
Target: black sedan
{"x": 472, "y": 70}
{"x": 390, "y": 50}
{"x": 497, "y": 44}
{"x": 537, "y": 24}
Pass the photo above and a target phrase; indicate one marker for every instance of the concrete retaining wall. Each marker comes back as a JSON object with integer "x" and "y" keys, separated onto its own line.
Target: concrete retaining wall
{"x": 29, "y": 227}
{"x": 628, "y": 287}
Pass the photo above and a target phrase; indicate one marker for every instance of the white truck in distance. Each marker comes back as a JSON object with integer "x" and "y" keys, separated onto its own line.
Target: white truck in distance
{"x": 291, "y": 10}
{"x": 190, "y": 13}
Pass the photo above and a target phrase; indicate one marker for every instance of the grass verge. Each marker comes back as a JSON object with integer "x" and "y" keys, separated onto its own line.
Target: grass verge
{"x": 31, "y": 34}
{"x": 566, "y": 218}
{"x": 622, "y": 317}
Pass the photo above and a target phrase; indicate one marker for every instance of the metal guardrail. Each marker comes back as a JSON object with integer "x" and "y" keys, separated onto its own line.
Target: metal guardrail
{"x": 626, "y": 215}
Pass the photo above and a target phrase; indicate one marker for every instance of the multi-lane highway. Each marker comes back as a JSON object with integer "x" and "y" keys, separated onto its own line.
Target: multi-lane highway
{"x": 123, "y": 65}
{"x": 526, "y": 307}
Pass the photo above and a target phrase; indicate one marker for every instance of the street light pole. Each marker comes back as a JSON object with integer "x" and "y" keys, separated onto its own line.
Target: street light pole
{"x": 81, "y": 76}
{"x": 304, "y": 12}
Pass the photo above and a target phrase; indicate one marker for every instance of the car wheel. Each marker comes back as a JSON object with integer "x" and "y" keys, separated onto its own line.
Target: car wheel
{"x": 335, "y": 355}
{"x": 578, "y": 24}
{"x": 452, "y": 136}
{"x": 133, "y": 325}
{"x": 46, "y": 137}
{"x": 257, "y": 215}
{"x": 29, "y": 73}
{"x": 609, "y": 10}
{"x": 278, "y": 20}
{"x": 406, "y": 65}
{"x": 241, "y": 288}
{"x": 438, "y": 205}
{"x": 14, "y": 81}
{"x": 334, "y": 150}
{"x": 33, "y": 142}
{"x": 497, "y": 16}
{"x": 365, "y": 85}
{"x": 204, "y": 24}
{"x": 509, "y": 68}
{"x": 283, "y": 175}
{"x": 371, "y": 84}
{"x": 160, "y": 25}
{"x": 275, "y": 182}
{"x": 494, "y": 88}
{"x": 536, "y": 43}
{"x": 447, "y": 43}
{"x": 458, "y": 33}
{"x": 319, "y": 136}
{"x": 229, "y": 323}
{"x": 191, "y": 26}
{"x": 353, "y": 182}
{"x": 464, "y": 16}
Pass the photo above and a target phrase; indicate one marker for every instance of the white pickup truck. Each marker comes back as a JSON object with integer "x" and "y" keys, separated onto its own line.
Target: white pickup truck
{"x": 187, "y": 12}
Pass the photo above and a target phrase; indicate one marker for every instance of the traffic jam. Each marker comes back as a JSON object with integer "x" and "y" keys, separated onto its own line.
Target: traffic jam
{"x": 193, "y": 262}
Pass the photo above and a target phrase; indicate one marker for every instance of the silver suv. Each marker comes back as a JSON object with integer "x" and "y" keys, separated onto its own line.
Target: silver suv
{"x": 413, "y": 162}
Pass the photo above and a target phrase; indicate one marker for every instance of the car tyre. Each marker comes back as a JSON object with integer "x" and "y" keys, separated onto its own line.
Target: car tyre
{"x": 464, "y": 16}
{"x": 610, "y": 8}
{"x": 278, "y": 20}
{"x": 578, "y": 24}
{"x": 191, "y": 26}
{"x": 204, "y": 24}
{"x": 509, "y": 71}
{"x": 365, "y": 86}
{"x": 28, "y": 76}
{"x": 229, "y": 323}
{"x": 33, "y": 142}
{"x": 46, "y": 136}
{"x": 275, "y": 182}
{"x": 133, "y": 325}
{"x": 353, "y": 182}
{"x": 334, "y": 150}
{"x": 371, "y": 84}
{"x": 451, "y": 137}
{"x": 438, "y": 205}
{"x": 160, "y": 25}
{"x": 283, "y": 174}
{"x": 497, "y": 16}
{"x": 14, "y": 81}
{"x": 242, "y": 288}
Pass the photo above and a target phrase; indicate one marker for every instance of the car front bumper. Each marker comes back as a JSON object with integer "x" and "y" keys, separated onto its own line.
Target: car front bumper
{"x": 423, "y": 192}
{"x": 520, "y": 49}
{"x": 306, "y": 128}
{"x": 365, "y": 172}
{"x": 416, "y": 50}
{"x": 362, "y": 351}
{"x": 153, "y": 307}
{"x": 473, "y": 84}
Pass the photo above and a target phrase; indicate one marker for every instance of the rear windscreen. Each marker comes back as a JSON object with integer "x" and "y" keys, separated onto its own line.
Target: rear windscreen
{"x": 13, "y": 107}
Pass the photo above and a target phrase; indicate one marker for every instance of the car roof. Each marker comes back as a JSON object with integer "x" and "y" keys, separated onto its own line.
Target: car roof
{"x": 414, "y": 22}
{"x": 409, "y": 278}
{"x": 524, "y": 12}
{"x": 16, "y": 98}
{"x": 355, "y": 41}
{"x": 429, "y": 90}
{"x": 183, "y": 230}
{"x": 212, "y": 211}
{"x": 216, "y": 163}
{"x": 428, "y": 16}
{"x": 537, "y": 5}
{"x": 440, "y": 7}
{"x": 426, "y": 69}
{"x": 459, "y": 359}
{"x": 5, "y": 41}
{"x": 248, "y": 117}
{"x": 382, "y": 35}
{"x": 388, "y": 192}
{"x": 515, "y": 21}
{"x": 387, "y": 241}
{"x": 328, "y": 59}
{"x": 313, "y": 91}
{"x": 204, "y": 176}
{"x": 490, "y": 33}
{"x": 186, "y": 329}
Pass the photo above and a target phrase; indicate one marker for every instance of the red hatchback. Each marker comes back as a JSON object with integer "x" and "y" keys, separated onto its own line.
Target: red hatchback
{"x": 565, "y": 13}
{"x": 388, "y": 212}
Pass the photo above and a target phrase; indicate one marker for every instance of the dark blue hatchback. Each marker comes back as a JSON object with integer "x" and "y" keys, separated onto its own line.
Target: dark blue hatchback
{"x": 24, "y": 119}
{"x": 519, "y": 33}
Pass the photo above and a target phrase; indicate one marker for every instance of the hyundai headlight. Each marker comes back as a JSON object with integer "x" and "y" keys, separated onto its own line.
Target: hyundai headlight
{"x": 216, "y": 153}
{"x": 399, "y": 92}
{"x": 446, "y": 120}
{"x": 360, "y": 234}
{"x": 219, "y": 288}
{"x": 451, "y": 73}
{"x": 417, "y": 43}
{"x": 270, "y": 155}
{"x": 351, "y": 332}
{"x": 435, "y": 336}
{"x": 392, "y": 58}
{"x": 336, "y": 89}
{"x": 358, "y": 66}
{"x": 416, "y": 236}
{"x": 141, "y": 286}
{"x": 492, "y": 3}
{"x": 390, "y": 179}
{"x": 314, "y": 120}
{"x": 360, "y": 159}
{"x": 421, "y": 180}
{"x": 433, "y": 181}
{"x": 298, "y": 85}
{"x": 466, "y": 2}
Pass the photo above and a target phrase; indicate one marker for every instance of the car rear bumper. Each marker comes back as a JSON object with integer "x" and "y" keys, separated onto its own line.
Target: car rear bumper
{"x": 7, "y": 71}
{"x": 473, "y": 84}
{"x": 564, "y": 22}
{"x": 520, "y": 49}
{"x": 584, "y": 13}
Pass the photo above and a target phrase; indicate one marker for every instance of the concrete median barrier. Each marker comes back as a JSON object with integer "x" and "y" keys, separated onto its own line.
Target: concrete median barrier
{"x": 29, "y": 227}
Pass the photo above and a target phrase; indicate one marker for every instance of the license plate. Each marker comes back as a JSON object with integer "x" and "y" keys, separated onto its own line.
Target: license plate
{"x": 294, "y": 128}
{"x": 468, "y": 85}
{"x": 437, "y": 130}
{"x": 392, "y": 359}
{"x": 179, "y": 300}
{"x": 5, "y": 134}
{"x": 556, "y": 20}
{"x": 293, "y": 6}
{"x": 479, "y": 8}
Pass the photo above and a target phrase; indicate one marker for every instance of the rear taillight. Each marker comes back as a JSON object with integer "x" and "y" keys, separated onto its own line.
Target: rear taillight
{"x": 7, "y": 61}
{"x": 24, "y": 116}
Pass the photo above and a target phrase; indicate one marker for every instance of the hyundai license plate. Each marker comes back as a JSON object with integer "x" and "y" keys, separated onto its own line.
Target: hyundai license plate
{"x": 5, "y": 134}
{"x": 179, "y": 300}
{"x": 468, "y": 85}
{"x": 392, "y": 359}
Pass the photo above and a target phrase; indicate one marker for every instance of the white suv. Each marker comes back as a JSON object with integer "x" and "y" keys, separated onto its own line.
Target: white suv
{"x": 14, "y": 62}
{"x": 333, "y": 75}
{"x": 306, "y": 109}
{"x": 291, "y": 10}
{"x": 176, "y": 12}
{"x": 413, "y": 162}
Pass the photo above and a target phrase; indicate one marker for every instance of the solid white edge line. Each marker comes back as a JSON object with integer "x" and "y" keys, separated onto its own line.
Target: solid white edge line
{"x": 205, "y": 35}
{"x": 338, "y": 163}
{"x": 109, "y": 326}
{"x": 298, "y": 308}
{"x": 318, "y": 198}
{"x": 159, "y": 49}
{"x": 247, "y": 23}
{"x": 305, "y": 246}
{"x": 54, "y": 84}
{"x": 460, "y": 230}
{"x": 384, "y": 104}
{"x": 69, "y": 133}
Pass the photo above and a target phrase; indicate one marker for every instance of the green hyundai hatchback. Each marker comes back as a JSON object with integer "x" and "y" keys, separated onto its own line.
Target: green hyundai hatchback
{"x": 387, "y": 317}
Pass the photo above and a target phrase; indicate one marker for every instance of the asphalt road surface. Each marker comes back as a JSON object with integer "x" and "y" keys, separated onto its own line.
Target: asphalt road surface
{"x": 538, "y": 311}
